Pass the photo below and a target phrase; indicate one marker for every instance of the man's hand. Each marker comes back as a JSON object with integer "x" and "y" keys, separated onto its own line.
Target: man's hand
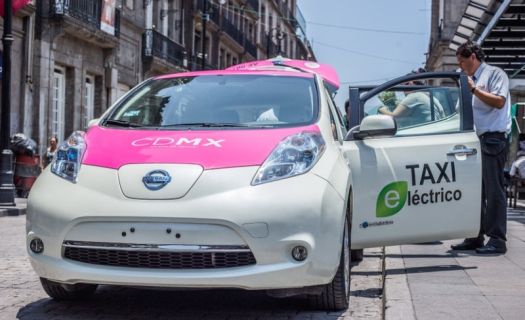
{"x": 490, "y": 99}
{"x": 383, "y": 110}
{"x": 471, "y": 83}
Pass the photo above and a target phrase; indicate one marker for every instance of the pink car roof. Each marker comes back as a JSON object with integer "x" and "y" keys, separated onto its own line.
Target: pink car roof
{"x": 235, "y": 72}
{"x": 271, "y": 67}
{"x": 326, "y": 71}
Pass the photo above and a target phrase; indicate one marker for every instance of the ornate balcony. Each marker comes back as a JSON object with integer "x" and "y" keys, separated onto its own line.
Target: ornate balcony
{"x": 158, "y": 45}
{"x": 81, "y": 18}
{"x": 196, "y": 64}
{"x": 232, "y": 30}
{"x": 254, "y": 4}
{"x": 211, "y": 9}
{"x": 250, "y": 47}
{"x": 286, "y": 13}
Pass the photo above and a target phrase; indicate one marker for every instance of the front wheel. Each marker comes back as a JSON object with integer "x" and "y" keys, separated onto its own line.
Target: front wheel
{"x": 336, "y": 294}
{"x": 356, "y": 255}
{"x": 60, "y": 292}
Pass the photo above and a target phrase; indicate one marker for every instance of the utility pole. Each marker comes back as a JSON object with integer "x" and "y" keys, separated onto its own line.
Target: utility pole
{"x": 7, "y": 188}
{"x": 204, "y": 18}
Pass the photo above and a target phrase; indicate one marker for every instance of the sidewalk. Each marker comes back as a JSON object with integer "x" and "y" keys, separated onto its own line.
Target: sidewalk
{"x": 18, "y": 209}
{"x": 429, "y": 281}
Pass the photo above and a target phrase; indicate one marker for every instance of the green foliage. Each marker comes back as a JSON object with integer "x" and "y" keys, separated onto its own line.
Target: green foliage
{"x": 388, "y": 98}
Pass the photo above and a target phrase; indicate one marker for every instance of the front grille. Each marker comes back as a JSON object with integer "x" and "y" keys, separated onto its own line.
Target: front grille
{"x": 155, "y": 259}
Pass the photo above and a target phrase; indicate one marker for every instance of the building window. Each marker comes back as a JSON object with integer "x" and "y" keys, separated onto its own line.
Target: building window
{"x": 285, "y": 40}
{"x": 179, "y": 15}
{"x": 441, "y": 16}
{"x": 58, "y": 103}
{"x": 222, "y": 63}
{"x": 263, "y": 17}
{"x": 229, "y": 12}
{"x": 89, "y": 100}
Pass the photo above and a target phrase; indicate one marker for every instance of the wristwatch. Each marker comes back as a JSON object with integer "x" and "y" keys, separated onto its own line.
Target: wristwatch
{"x": 473, "y": 90}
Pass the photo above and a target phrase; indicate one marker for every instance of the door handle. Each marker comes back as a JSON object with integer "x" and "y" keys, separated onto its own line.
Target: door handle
{"x": 462, "y": 151}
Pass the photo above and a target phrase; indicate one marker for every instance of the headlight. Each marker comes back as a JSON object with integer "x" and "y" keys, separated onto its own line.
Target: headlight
{"x": 293, "y": 156}
{"x": 69, "y": 157}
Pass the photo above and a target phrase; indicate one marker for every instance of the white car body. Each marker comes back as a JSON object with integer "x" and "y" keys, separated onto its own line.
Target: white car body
{"x": 220, "y": 209}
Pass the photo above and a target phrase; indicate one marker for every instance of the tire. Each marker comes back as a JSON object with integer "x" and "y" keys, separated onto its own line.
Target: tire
{"x": 335, "y": 295}
{"x": 62, "y": 292}
{"x": 356, "y": 255}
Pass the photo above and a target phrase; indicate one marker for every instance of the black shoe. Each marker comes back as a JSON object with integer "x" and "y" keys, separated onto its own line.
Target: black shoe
{"x": 490, "y": 249}
{"x": 467, "y": 245}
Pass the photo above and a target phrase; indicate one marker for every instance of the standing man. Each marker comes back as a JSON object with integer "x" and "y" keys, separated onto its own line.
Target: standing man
{"x": 491, "y": 107}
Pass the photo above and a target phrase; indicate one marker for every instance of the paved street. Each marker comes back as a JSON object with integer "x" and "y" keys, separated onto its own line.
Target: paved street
{"x": 21, "y": 296}
{"x": 430, "y": 282}
{"x": 423, "y": 281}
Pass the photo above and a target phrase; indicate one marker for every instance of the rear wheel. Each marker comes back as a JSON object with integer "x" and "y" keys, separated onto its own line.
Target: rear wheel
{"x": 60, "y": 291}
{"x": 336, "y": 295}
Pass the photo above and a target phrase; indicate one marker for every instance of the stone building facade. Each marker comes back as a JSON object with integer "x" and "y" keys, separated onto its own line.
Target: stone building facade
{"x": 496, "y": 25}
{"x": 72, "y": 59}
{"x": 445, "y": 19}
{"x": 23, "y": 23}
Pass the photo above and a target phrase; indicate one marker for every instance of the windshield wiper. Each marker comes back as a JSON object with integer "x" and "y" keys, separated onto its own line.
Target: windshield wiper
{"x": 205, "y": 125}
{"x": 122, "y": 123}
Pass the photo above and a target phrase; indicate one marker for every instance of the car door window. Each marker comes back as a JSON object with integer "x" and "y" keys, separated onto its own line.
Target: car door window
{"x": 425, "y": 108}
{"x": 336, "y": 120}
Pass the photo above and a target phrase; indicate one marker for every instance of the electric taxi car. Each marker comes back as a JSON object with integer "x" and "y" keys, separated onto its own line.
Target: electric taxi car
{"x": 249, "y": 178}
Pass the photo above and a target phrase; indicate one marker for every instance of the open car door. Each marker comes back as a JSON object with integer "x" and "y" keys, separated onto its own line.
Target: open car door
{"x": 416, "y": 177}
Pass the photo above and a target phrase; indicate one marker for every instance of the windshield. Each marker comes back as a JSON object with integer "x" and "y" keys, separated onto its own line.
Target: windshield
{"x": 219, "y": 101}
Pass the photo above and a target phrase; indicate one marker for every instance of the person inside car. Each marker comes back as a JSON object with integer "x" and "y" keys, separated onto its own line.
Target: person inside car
{"x": 415, "y": 108}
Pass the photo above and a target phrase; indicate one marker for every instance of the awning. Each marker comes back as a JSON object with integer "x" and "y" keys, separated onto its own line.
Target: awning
{"x": 499, "y": 26}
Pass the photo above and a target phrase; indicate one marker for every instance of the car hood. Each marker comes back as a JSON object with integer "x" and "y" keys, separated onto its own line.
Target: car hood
{"x": 211, "y": 149}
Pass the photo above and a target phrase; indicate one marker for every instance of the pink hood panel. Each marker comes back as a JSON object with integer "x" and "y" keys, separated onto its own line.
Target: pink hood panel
{"x": 212, "y": 149}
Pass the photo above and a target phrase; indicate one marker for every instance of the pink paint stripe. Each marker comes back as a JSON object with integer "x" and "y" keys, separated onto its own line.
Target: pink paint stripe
{"x": 213, "y": 149}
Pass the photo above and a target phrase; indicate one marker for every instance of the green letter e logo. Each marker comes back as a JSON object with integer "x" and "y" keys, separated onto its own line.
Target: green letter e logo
{"x": 391, "y": 199}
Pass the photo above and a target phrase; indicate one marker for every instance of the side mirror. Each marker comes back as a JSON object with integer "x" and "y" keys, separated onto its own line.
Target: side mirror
{"x": 373, "y": 126}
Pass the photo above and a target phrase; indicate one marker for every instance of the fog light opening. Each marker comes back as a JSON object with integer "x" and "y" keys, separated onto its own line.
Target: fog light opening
{"x": 36, "y": 245}
{"x": 299, "y": 253}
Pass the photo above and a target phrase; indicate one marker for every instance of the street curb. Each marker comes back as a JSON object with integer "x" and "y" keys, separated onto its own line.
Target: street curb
{"x": 18, "y": 209}
{"x": 398, "y": 300}
{"x": 12, "y": 212}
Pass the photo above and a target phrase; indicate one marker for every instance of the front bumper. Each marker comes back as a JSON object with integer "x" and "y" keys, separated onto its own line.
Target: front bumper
{"x": 222, "y": 208}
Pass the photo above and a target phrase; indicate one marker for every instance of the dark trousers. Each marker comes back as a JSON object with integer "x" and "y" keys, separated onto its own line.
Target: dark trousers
{"x": 494, "y": 149}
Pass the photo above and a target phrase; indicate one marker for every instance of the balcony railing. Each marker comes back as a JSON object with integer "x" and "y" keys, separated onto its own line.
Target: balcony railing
{"x": 232, "y": 30}
{"x": 286, "y": 13}
{"x": 87, "y": 11}
{"x": 250, "y": 47}
{"x": 160, "y": 46}
{"x": 211, "y": 9}
{"x": 254, "y": 4}
{"x": 268, "y": 45}
{"x": 263, "y": 39}
{"x": 196, "y": 64}
{"x": 272, "y": 49}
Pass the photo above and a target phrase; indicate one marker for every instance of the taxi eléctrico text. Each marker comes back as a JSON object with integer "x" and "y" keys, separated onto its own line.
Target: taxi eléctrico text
{"x": 247, "y": 178}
